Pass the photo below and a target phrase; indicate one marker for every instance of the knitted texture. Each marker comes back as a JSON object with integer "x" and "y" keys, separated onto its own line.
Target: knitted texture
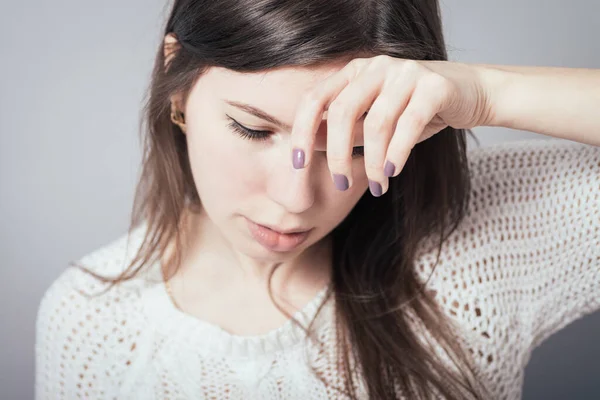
{"x": 524, "y": 263}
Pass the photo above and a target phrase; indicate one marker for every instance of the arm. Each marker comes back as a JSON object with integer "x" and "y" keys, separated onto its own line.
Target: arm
{"x": 559, "y": 102}
{"x": 533, "y": 265}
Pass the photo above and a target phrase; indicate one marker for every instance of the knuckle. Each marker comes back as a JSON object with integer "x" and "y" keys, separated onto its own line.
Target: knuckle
{"x": 373, "y": 159}
{"x": 411, "y": 66}
{"x": 311, "y": 99}
{"x": 338, "y": 162}
{"x": 357, "y": 63}
{"x": 379, "y": 119}
{"x": 399, "y": 80}
{"x": 386, "y": 58}
{"x": 339, "y": 110}
{"x": 379, "y": 61}
{"x": 416, "y": 119}
{"x": 372, "y": 167}
{"x": 374, "y": 125}
{"x": 381, "y": 57}
{"x": 435, "y": 81}
{"x": 399, "y": 150}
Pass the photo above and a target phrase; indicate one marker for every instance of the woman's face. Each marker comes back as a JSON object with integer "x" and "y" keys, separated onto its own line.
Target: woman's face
{"x": 242, "y": 179}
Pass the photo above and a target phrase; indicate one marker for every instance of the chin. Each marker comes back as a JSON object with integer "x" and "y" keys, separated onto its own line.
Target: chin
{"x": 256, "y": 250}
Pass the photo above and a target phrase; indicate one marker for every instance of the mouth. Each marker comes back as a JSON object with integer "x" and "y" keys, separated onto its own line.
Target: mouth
{"x": 277, "y": 239}
{"x": 284, "y": 231}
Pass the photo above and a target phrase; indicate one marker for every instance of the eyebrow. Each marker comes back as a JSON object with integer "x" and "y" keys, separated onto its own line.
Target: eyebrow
{"x": 257, "y": 112}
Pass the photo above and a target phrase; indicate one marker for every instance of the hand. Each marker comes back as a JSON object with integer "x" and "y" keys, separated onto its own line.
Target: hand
{"x": 407, "y": 101}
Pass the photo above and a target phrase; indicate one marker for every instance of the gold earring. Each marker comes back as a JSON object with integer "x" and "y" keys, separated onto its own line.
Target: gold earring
{"x": 178, "y": 118}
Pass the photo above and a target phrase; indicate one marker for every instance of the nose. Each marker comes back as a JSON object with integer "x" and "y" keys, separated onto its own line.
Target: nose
{"x": 291, "y": 188}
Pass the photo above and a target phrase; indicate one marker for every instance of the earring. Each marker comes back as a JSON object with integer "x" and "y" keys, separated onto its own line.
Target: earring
{"x": 178, "y": 118}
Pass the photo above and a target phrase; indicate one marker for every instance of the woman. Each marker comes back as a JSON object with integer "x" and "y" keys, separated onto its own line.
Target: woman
{"x": 310, "y": 225}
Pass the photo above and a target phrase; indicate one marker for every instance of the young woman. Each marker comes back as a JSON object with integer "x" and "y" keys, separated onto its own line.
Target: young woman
{"x": 310, "y": 225}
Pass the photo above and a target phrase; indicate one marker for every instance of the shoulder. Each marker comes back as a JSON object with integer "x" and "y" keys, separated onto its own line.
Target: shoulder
{"x": 113, "y": 257}
{"x": 74, "y": 289}
{"x": 524, "y": 258}
{"x": 520, "y": 179}
{"x": 531, "y": 157}
{"x": 78, "y": 321}
{"x": 522, "y": 194}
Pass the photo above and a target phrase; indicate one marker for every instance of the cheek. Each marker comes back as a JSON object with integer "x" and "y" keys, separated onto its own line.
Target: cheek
{"x": 337, "y": 205}
{"x": 223, "y": 169}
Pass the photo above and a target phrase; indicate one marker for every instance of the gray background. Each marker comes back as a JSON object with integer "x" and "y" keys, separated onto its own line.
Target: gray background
{"x": 72, "y": 77}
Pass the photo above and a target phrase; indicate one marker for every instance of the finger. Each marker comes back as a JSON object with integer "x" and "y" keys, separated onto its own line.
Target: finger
{"x": 320, "y": 143}
{"x": 309, "y": 114}
{"x": 344, "y": 112}
{"x": 423, "y": 105}
{"x": 378, "y": 128}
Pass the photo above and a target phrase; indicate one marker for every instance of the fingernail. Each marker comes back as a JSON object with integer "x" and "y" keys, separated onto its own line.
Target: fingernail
{"x": 375, "y": 188}
{"x": 389, "y": 169}
{"x": 298, "y": 158}
{"x": 341, "y": 182}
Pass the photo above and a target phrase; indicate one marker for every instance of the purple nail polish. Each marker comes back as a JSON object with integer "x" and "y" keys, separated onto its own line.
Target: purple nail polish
{"x": 375, "y": 188}
{"x": 298, "y": 158}
{"x": 389, "y": 169}
{"x": 341, "y": 182}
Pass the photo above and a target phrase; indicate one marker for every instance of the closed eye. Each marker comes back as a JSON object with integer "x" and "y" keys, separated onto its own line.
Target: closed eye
{"x": 252, "y": 134}
{"x": 247, "y": 133}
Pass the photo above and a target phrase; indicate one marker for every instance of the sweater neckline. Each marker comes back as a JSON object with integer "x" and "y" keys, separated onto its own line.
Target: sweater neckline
{"x": 212, "y": 339}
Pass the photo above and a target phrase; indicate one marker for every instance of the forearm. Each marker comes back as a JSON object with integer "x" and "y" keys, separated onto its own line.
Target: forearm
{"x": 559, "y": 102}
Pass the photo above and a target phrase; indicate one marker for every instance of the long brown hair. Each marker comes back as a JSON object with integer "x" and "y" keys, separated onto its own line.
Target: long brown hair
{"x": 378, "y": 296}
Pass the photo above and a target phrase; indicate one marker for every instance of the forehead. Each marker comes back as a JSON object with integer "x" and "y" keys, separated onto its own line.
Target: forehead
{"x": 277, "y": 91}
{"x": 291, "y": 79}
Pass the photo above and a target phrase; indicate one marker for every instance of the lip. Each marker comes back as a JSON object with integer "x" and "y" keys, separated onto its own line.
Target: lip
{"x": 275, "y": 239}
{"x": 284, "y": 231}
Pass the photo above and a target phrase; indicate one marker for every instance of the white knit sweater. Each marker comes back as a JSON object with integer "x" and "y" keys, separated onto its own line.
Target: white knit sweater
{"x": 523, "y": 264}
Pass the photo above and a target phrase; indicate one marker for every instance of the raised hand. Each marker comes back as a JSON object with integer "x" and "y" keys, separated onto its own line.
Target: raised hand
{"x": 403, "y": 101}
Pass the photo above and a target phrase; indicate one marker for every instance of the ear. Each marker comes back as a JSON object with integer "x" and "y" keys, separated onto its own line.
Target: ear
{"x": 170, "y": 47}
{"x": 177, "y": 102}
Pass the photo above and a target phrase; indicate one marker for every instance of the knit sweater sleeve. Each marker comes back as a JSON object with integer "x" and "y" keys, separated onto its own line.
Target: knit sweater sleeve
{"x": 542, "y": 200}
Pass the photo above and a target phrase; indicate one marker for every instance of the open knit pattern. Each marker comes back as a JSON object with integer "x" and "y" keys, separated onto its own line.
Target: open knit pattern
{"x": 524, "y": 263}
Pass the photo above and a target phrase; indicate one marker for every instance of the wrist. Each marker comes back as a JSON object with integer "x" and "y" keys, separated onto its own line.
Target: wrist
{"x": 495, "y": 89}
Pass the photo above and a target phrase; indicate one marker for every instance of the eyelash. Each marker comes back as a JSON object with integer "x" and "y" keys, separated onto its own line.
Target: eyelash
{"x": 264, "y": 135}
{"x": 248, "y": 133}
